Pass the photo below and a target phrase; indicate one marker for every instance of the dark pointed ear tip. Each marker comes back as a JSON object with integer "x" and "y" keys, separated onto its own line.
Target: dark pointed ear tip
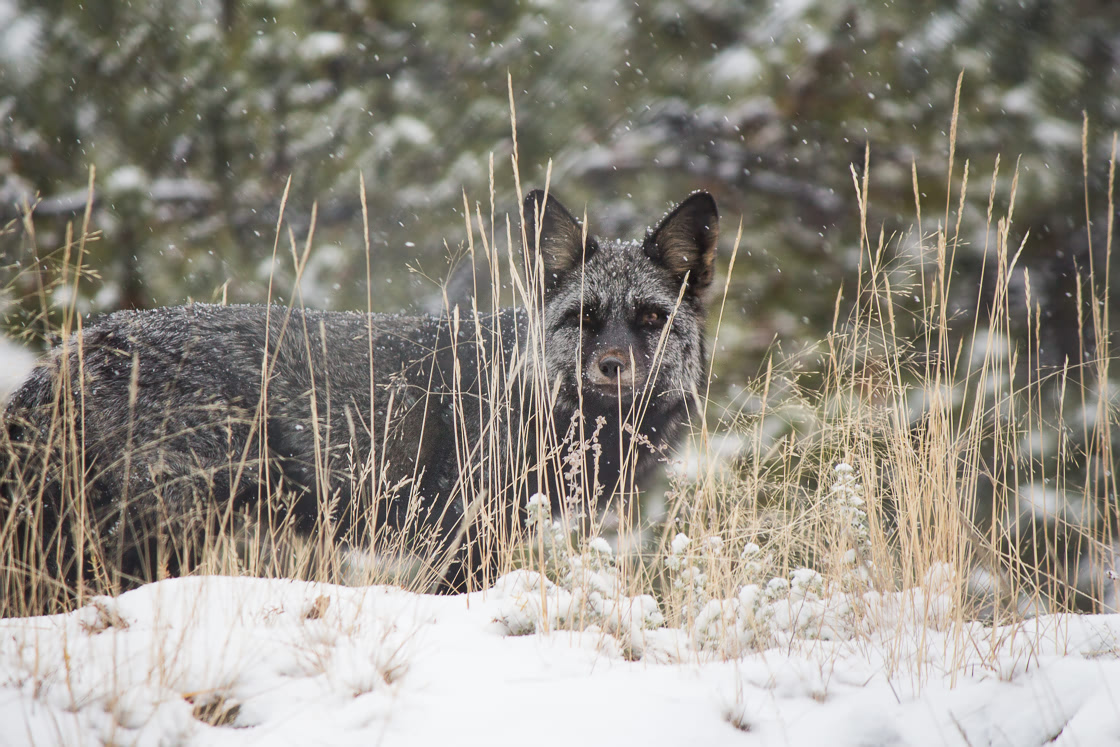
{"x": 700, "y": 198}
{"x": 534, "y": 198}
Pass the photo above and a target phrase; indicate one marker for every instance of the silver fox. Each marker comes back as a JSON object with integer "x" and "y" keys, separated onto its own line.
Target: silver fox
{"x": 366, "y": 426}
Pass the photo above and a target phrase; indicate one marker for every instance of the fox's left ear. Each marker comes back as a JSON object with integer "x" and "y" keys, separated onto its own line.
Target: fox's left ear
{"x": 685, "y": 241}
{"x": 556, "y": 233}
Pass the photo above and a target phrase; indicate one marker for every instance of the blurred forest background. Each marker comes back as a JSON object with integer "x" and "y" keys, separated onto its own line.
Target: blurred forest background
{"x": 196, "y": 113}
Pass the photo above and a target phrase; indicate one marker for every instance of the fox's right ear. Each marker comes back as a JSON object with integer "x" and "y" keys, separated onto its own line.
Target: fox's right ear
{"x": 685, "y": 241}
{"x": 559, "y": 236}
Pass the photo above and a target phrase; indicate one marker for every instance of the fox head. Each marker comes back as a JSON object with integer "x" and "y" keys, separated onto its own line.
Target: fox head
{"x": 624, "y": 319}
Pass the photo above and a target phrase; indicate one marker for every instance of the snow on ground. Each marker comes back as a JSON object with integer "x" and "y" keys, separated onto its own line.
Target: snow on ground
{"x": 230, "y": 661}
{"x": 15, "y": 364}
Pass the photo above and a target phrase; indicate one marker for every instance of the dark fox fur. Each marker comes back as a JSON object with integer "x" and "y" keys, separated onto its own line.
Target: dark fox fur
{"x": 365, "y": 425}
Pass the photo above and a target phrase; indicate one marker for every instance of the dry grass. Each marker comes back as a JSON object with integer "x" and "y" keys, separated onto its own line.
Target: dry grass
{"x": 933, "y": 415}
{"x": 930, "y": 416}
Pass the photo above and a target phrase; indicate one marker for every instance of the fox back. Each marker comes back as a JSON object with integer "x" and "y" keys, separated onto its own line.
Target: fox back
{"x": 428, "y": 433}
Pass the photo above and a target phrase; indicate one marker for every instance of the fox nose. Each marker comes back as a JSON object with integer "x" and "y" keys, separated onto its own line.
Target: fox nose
{"x": 611, "y": 368}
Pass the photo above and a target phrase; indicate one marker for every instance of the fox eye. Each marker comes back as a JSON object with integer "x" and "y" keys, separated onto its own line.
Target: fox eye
{"x": 651, "y": 318}
{"x": 585, "y": 317}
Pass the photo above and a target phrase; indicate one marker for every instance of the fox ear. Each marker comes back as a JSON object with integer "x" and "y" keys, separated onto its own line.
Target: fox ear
{"x": 561, "y": 235}
{"x": 685, "y": 241}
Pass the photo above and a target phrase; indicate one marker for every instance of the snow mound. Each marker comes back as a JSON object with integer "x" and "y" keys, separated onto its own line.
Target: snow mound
{"x": 215, "y": 661}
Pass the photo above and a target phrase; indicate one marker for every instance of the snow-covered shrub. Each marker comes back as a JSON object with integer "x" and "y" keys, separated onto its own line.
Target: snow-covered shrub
{"x": 548, "y": 536}
{"x": 853, "y": 532}
{"x": 584, "y": 592}
{"x": 772, "y": 608}
{"x": 582, "y": 589}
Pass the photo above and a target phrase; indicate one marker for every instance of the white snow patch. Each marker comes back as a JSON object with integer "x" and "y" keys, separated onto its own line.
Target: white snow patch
{"x": 319, "y": 283}
{"x": 322, "y": 45}
{"x": 20, "y": 33}
{"x": 126, "y": 179}
{"x": 15, "y": 364}
{"x": 693, "y": 461}
{"x": 1022, "y": 101}
{"x": 412, "y": 130}
{"x": 735, "y": 68}
{"x": 402, "y": 129}
{"x": 225, "y": 661}
{"x": 204, "y": 33}
{"x": 1039, "y": 502}
{"x": 1058, "y": 133}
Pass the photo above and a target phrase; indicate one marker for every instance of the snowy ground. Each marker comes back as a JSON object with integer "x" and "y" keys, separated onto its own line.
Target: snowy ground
{"x": 15, "y": 363}
{"x": 215, "y": 661}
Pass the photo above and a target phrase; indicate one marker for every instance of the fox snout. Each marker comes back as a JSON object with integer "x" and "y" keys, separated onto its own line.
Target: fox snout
{"x": 614, "y": 368}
